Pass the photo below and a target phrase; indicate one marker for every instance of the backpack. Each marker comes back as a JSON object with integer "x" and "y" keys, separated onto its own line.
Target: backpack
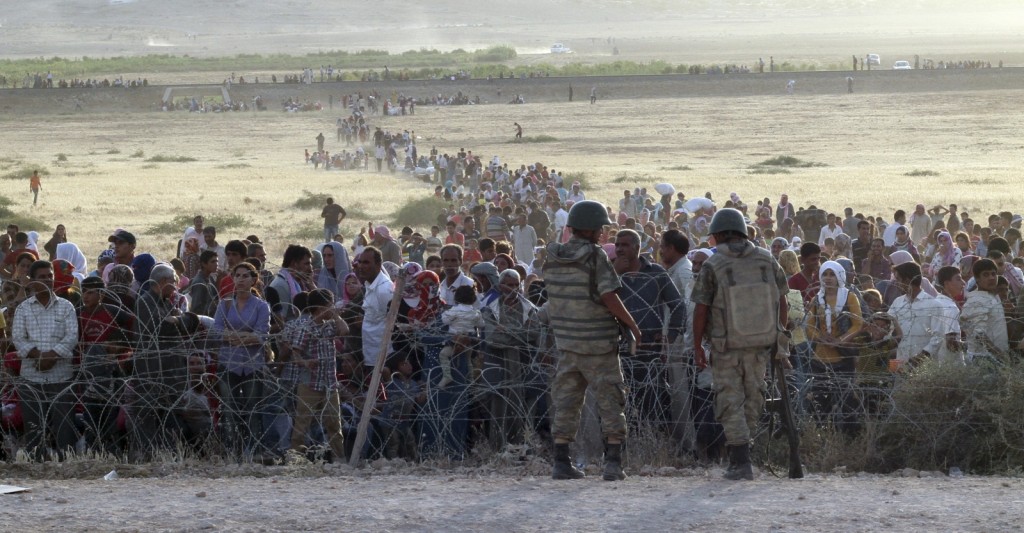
{"x": 746, "y": 301}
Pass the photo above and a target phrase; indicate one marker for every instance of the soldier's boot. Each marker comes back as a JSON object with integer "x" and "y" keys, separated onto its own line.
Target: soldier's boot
{"x": 563, "y": 467}
{"x": 739, "y": 464}
{"x": 613, "y": 463}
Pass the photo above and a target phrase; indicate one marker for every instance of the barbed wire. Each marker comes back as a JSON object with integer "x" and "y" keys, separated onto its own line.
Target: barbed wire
{"x": 171, "y": 393}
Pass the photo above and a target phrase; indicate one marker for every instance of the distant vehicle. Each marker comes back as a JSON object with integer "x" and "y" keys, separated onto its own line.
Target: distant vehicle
{"x": 873, "y": 59}
{"x": 559, "y": 48}
{"x": 902, "y": 65}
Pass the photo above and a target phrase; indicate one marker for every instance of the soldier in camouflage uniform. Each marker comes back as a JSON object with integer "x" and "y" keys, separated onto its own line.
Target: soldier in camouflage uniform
{"x": 740, "y": 297}
{"x": 585, "y": 312}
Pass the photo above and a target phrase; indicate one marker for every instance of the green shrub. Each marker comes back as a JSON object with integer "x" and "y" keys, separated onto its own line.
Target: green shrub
{"x": 24, "y": 222}
{"x": 312, "y": 200}
{"x": 24, "y": 173}
{"x": 919, "y": 173}
{"x": 160, "y": 158}
{"x": 179, "y": 223}
{"x": 62, "y": 157}
{"x": 138, "y": 153}
{"x": 419, "y": 212}
{"x": 534, "y": 139}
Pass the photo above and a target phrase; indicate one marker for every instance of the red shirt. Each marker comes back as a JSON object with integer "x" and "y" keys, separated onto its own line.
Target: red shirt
{"x": 808, "y": 288}
{"x": 12, "y": 257}
{"x": 455, "y": 238}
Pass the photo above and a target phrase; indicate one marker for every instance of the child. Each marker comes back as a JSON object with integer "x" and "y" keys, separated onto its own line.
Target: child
{"x": 462, "y": 321}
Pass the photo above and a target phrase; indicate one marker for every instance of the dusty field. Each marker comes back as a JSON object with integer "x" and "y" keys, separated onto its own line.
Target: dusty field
{"x": 684, "y": 500}
{"x": 251, "y": 163}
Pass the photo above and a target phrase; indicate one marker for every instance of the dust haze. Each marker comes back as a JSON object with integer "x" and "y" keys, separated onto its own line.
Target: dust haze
{"x": 807, "y": 31}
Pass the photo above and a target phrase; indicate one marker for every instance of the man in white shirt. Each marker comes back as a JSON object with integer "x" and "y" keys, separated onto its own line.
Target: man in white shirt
{"x": 983, "y": 317}
{"x": 376, "y": 298}
{"x": 561, "y": 218}
{"x": 45, "y": 334}
{"x": 451, "y": 265}
{"x": 919, "y": 316}
{"x": 952, "y": 284}
{"x": 830, "y": 231}
{"x": 524, "y": 239}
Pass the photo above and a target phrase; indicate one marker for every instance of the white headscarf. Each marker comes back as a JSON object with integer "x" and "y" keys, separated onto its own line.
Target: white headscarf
{"x": 841, "y": 294}
{"x": 72, "y": 254}
{"x": 33, "y": 238}
{"x": 899, "y": 257}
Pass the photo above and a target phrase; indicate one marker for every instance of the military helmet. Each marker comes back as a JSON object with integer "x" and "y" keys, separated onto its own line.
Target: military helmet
{"x": 588, "y": 215}
{"x": 728, "y": 219}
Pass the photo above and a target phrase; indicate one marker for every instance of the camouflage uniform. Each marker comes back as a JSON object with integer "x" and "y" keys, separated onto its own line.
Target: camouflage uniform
{"x": 576, "y": 274}
{"x": 738, "y": 374}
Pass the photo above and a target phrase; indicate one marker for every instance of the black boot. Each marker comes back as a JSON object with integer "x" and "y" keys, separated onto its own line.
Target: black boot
{"x": 739, "y": 464}
{"x": 613, "y": 462}
{"x": 563, "y": 467}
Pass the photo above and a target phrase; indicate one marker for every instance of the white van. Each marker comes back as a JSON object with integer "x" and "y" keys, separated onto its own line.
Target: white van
{"x": 559, "y": 48}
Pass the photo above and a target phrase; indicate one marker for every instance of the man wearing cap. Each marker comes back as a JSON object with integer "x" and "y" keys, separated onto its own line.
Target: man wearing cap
{"x": 45, "y": 334}
{"x": 124, "y": 247}
{"x": 585, "y": 313}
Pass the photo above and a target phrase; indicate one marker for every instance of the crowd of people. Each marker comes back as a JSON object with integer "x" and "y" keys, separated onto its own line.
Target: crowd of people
{"x": 216, "y": 351}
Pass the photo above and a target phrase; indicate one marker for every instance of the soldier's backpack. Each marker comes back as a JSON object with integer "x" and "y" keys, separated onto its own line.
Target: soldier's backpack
{"x": 746, "y": 302}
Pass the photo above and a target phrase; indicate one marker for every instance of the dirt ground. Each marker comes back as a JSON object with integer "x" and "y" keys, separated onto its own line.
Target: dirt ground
{"x": 676, "y": 500}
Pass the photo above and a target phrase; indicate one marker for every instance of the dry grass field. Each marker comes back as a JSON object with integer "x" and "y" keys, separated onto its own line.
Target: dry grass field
{"x": 251, "y": 164}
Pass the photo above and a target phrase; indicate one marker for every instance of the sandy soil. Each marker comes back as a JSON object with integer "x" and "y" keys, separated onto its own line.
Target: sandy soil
{"x": 677, "y": 500}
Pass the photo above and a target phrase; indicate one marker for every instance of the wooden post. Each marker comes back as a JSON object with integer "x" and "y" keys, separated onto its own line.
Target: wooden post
{"x": 371, "y": 392}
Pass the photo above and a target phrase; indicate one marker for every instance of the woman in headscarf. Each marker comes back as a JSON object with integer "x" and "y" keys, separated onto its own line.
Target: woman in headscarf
{"x": 120, "y": 279}
{"x": 142, "y": 267}
{"x": 335, "y": 268}
{"x": 903, "y": 243}
{"x": 316, "y": 261}
{"x": 834, "y": 322}
{"x": 64, "y": 282}
{"x": 33, "y": 241}
{"x": 71, "y": 253}
{"x": 190, "y": 257}
{"x": 946, "y": 253}
{"x": 844, "y": 246}
{"x": 351, "y": 306}
{"x": 105, "y": 258}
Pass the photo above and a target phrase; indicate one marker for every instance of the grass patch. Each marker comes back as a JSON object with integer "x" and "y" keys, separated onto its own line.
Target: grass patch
{"x": 312, "y": 200}
{"x": 916, "y": 173}
{"x": 535, "y": 139}
{"x": 150, "y": 166}
{"x": 160, "y": 158}
{"x": 569, "y": 177}
{"x": 62, "y": 157}
{"x": 24, "y": 173}
{"x": 770, "y": 170}
{"x": 113, "y": 151}
{"x": 24, "y": 222}
{"x": 179, "y": 223}
{"x": 235, "y": 165}
{"x": 677, "y": 168}
{"x": 138, "y": 153}
{"x": 788, "y": 161}
{"x": 626, "y": 177}
{"x": 419, "y": 212}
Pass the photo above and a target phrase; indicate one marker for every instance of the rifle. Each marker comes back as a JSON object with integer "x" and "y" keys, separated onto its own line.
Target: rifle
{"x": 796, "y": 470}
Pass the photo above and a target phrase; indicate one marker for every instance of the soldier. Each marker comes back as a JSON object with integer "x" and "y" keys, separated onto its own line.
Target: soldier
{"x": 740, "y": 297}
{"x": 585, "y": 313}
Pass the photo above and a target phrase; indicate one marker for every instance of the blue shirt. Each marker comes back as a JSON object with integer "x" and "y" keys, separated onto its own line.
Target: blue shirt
{"x": 253, "y": 317}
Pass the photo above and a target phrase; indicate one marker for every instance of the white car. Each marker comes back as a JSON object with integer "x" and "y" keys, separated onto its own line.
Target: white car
{"x": 559, "y": 48}
{"x": 902, "y": 65}
{"x": 874, "y": 59}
